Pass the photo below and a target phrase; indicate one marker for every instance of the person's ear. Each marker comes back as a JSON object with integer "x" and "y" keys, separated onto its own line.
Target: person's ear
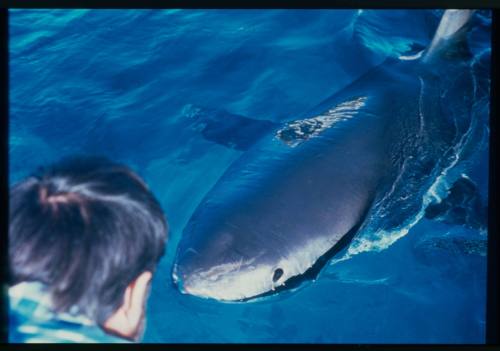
{"x": 127, "y": 319}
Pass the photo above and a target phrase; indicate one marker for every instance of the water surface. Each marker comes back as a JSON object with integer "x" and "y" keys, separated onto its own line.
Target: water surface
{"x": 122, "y": 84}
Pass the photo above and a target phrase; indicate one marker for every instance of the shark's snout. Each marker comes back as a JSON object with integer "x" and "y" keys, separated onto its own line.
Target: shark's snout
{"x": 233, "y": 280}
{"x": 184, "y": 273}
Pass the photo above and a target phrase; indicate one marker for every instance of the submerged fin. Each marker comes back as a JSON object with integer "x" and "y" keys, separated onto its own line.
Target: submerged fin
{"x": 462, "y": 206}
{"x": 450, "y": 39}
{"x": 231, "y": 130}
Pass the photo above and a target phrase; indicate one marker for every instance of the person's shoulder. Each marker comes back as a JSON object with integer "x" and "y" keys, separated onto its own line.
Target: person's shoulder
{"x": 31, "y": 320}
{"x": 57, "y": 331}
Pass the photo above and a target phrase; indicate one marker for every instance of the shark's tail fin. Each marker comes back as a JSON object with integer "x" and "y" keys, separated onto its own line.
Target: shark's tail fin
{"x": 450, "y": 40}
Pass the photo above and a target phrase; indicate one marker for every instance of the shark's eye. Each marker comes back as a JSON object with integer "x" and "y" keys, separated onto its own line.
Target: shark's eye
{"x": 277, "y": 274}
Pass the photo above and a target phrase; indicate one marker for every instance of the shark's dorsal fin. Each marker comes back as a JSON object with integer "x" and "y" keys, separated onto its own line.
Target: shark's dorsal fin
{"x": 450, "y": 39}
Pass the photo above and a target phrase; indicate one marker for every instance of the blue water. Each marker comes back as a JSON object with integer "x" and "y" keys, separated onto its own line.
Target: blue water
{"x": 122, "y": 83}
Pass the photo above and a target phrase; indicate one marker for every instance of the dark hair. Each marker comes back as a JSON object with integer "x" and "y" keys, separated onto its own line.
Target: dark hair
{"x": 86, "y": 227}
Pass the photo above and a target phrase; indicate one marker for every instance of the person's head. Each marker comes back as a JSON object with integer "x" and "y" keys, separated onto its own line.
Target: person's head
{"x": 92, "y": 232}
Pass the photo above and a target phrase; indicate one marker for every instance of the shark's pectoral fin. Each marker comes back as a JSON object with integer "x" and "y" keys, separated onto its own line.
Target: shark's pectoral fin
{"x": 231, "y": 130}
{"x": 462, "y": 206}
